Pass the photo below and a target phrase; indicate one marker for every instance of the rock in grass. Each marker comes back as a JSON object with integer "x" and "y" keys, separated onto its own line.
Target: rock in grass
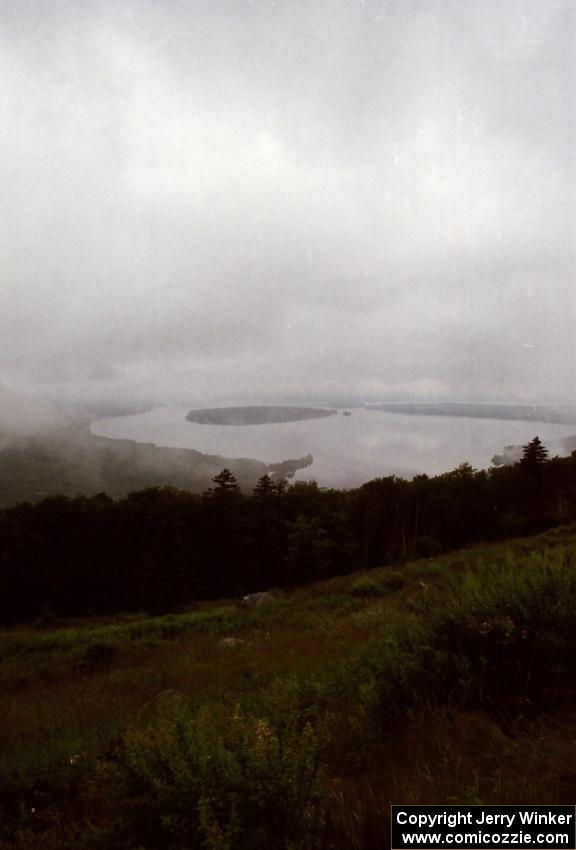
{"x": 166, "y": 700}
{"x": 255, "y": 600}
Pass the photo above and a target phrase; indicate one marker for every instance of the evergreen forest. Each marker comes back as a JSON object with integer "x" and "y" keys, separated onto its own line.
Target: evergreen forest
{"x": 162, "y": 549}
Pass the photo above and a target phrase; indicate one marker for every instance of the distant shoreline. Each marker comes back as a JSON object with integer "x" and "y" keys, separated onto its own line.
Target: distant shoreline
{"x": 554, "y": 415}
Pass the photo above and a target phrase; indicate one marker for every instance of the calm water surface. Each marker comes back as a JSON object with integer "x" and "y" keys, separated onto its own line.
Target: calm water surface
{"x": 347, "y": 450}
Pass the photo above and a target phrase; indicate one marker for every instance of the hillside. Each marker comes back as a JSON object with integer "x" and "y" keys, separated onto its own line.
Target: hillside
{"x": 296, "y": 724}
{"x": 161, "y": 548}
{"x": 74, "y": 462}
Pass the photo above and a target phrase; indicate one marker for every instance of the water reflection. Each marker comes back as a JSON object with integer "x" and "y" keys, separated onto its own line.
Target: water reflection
{"x": 347, "y": 450}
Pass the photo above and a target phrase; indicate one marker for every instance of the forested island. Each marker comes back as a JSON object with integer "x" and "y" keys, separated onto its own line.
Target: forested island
{"x": 256, "y": 415}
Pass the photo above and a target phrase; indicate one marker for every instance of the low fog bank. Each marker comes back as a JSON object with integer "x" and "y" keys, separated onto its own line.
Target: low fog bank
{"x": 25, "y": 412}
{"x": 29, "y": 411}
{"x": 71, "y": 462}
{"x": 46, "y": 449}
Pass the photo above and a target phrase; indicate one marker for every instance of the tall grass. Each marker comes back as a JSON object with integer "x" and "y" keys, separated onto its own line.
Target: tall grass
{"x": 433, "y": 686}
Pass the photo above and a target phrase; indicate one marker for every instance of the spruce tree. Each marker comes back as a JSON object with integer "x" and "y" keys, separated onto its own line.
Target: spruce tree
{"x": 225, "y": 483}
{"x": 534, "y": 454}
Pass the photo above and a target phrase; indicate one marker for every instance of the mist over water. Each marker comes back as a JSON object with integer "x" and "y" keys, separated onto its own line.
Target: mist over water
{"x": 347, "y": 450}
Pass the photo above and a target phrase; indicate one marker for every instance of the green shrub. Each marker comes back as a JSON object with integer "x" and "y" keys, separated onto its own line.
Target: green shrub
{"x": 171, "y": 626}
{"x": 98, "y": 654}
{"x": 379, "y": 584}
{"x": 507, "y": 630}
{"x": 217, "y": 780}
{"x": 366, "y": 587}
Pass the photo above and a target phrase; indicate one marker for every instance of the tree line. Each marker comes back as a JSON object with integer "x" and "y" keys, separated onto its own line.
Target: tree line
{"x": 162, "y": 549}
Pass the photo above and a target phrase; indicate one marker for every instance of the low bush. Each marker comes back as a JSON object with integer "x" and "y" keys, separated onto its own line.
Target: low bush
{"x": 380, "y": 584}
{"x": 217, "y": 780}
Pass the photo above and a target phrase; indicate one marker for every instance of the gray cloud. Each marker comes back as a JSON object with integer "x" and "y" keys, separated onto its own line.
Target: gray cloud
{"x": 207, "y": 200}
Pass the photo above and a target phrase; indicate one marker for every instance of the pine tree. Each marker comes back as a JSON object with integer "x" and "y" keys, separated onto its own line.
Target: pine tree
{"x": 267, "y": 489}
{"x": 225, "y": 483}
{"x": 534, "y": 454}
{"x": 264, "y": 488}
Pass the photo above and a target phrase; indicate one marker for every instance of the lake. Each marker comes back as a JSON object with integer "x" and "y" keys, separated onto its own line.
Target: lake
{"x": 347, "y": 450}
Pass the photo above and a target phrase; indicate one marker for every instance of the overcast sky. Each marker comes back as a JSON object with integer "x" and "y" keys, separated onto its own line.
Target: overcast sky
{"x": 209, "y": 200}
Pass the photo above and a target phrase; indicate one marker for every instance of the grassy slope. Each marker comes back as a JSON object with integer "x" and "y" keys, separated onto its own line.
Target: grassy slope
{"x": 433, "y": 682}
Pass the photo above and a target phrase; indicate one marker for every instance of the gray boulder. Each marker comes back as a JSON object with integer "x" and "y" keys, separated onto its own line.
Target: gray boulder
{"x": 255, "y": 600}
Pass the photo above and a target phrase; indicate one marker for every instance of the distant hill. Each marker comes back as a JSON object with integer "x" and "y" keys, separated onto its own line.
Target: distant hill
{"x": 555, "y": 414}
{"x": 74, "y": 462}
{"x": 256, "y": 415}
